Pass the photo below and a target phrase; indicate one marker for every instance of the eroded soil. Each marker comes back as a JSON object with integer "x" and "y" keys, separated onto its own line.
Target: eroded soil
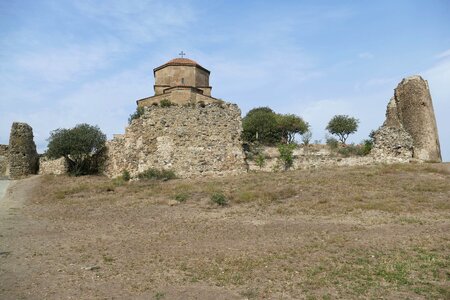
{"x": 345, "y": 233}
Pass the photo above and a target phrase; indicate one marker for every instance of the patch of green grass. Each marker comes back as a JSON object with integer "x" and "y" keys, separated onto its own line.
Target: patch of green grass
{"x": 61, "y": 194}
{"x": 219, "y": 199}
{"x": 181, "y": 197}
{"x": 108, "y": 259}
{"x": 159, "y": 296}
{"x": 360, "y": 273}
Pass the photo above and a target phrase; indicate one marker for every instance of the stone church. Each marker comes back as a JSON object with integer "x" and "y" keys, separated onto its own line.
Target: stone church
{"x": 197, "y": 135}
{"x": 181, "y": 81}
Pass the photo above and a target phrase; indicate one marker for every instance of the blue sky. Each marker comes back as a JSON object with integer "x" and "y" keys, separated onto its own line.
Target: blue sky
{"x": 68, "y": 62}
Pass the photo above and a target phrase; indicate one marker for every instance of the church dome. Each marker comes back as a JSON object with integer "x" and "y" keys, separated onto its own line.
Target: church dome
{"x": 180, "y": 62}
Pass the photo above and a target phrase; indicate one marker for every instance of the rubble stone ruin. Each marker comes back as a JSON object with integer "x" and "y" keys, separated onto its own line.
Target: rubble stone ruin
{"x": 195, "y": 135}
{"x": 23, "y": 159}
{"x": 410, "y": 129}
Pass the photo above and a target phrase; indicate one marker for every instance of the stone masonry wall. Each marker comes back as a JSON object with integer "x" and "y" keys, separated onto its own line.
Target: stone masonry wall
{"x": 4, "y": 153}
{"x": 190, "y": 140}
{"x": 316, "y": 156}
{"x": 53, "y": 166}
{"x": 23, "y": 158}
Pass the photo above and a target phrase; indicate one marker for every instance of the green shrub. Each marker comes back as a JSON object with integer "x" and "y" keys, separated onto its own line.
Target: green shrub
{"x": 153, "y": 173}
{"x": 166, "y": 103}
{"x": 286, "y": 154}
{"x": 136, "y": 115}
{"x": 367, "y": 146}
{"x": 332, "y": 142}
{"x": 355, "y": 150}
{"x": 181, "y": 197}
{"x": 260, "y": 160}
{"x": 126, "y": 175}
{"x": 219, "y": 199}
{"x": 350, "y": 150}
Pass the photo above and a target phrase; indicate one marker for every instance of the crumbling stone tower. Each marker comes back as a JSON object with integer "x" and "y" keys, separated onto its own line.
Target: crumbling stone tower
{"x": 22, "y": 157}
{"x": 410, "y": 127}
{"x": 416, "y": 114}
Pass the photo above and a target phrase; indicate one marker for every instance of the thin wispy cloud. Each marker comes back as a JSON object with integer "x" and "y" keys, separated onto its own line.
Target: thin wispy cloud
{"x": 63, "y": 62}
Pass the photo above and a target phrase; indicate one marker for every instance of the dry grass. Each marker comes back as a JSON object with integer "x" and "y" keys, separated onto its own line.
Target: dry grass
{"x": 371, "y": 232}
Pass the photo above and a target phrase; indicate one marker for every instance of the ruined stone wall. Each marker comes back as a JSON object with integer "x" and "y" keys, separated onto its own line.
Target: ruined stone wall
{"x": 23, "y": 158}
{"x": 53, "y": 166}
{"x": 190, "y": 140}
{"x": 4, "y": 153}
{"x": 392, "y": 142}
{"x": 409, "y": 130}
{"x": 416, "y": 114}
{"x": 316, "y": 156}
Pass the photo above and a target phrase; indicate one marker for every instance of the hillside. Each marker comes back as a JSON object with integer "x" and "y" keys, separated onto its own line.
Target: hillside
{"x": 350, "y": 232}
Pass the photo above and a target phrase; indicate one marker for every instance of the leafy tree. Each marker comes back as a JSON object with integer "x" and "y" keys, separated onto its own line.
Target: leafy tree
{"x": 342, "y": 126}
{"x": 137, "y": 114}
{"x": 260, "y": 124}
{"x": 289, "y": 125}
{"x": 83, "y": 147}
{"x": 265, "y": 126}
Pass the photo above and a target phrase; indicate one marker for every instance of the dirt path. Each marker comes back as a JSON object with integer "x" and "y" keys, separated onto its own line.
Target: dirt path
{"x": 3, "y": 186}
{"x": 14, "y": 228}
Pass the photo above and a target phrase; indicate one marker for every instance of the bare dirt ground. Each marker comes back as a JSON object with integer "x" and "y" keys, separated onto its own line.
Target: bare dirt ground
{"x": 349, "y": 233}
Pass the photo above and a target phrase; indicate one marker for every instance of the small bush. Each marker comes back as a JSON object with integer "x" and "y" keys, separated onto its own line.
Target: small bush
{"x": 166, "y": 103}
{"x": 350, "y": 150}
{"x": 153, "y": 173}
{"x": 355, "y": 150}
{"x": 136, "y": 115}
{"x": 260, "y": 160}
{"x": 286, "y": 154}
{"x": 126, "y": 175}
{"x": 181, "y": 197}
{"x": 219, "y": 199}
{"x": 332, "y": 142}
{"x": 367, "y": 146}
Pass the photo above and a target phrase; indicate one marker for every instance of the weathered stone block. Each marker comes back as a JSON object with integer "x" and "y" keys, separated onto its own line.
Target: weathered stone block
{"x": 23, "y": 158}
{"x": 53, "y": 166}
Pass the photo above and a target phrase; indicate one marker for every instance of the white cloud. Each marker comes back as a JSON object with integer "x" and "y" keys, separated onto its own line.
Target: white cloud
{"x": 443, "y": 54}
{"x": 366, "y": 55}
{"x": 65, "y": 63}
{"x": 138, "y": 21}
